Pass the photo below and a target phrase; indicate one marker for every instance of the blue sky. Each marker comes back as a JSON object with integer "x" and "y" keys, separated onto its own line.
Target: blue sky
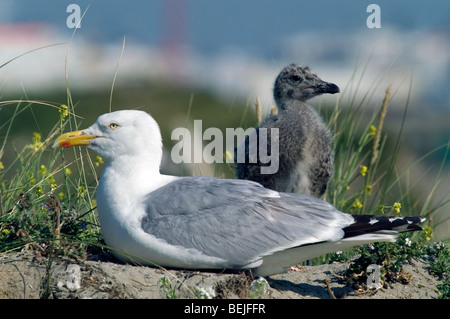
{"x": 210, "y": 25}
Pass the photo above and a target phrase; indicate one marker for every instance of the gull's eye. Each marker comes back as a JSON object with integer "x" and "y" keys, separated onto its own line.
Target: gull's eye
{"x": 113, "y": 126}
{"x": 296, "y": 78}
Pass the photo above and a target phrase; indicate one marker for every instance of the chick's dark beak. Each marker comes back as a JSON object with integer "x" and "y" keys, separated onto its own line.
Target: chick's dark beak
{"x": 330, "y": 88}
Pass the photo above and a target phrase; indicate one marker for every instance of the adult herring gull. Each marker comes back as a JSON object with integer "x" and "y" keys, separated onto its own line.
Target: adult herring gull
{"x": 206, "y": 222}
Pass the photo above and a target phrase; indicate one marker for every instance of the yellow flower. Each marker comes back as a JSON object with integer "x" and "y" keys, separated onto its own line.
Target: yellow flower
{"x": 54, "y": 186}
{"x": 2, "y": 167}
{"x": 43, "y": 170}
{"x": 61, "y": 195}
{"x": 81, "y": 190}
{"x": 39, "y": 191}
{"x": 369, "y": 189}
{"x": 68, "y": 171}
{"x": 98, "y": 161}
{"x": 363, "y": 170}
{"x": 372, "y": 130}
{"x": 63, "y": 111}
{"x": 357, "y": 204}
{"x": 37, "y": 140}
{"x": 428, "y": 232}
{"x": 397, "y": 206}
{"x": 37, "y": 137}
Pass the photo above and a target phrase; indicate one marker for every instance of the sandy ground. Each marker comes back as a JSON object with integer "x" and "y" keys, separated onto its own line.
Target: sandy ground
{"x": 24, "y": 275}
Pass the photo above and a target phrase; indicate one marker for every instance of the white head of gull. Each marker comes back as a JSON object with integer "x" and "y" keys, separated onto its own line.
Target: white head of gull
{"x": 206, "y": 222}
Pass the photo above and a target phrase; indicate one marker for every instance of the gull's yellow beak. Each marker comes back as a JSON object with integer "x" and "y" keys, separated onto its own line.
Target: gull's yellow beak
{"x": 73, "y": 139}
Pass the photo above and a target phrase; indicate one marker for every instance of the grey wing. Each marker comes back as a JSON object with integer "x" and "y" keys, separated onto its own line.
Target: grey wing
{"x": 237, "y": 220}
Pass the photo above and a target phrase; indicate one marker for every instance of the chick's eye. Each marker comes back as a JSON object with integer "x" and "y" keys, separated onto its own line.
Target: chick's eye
{"x": 296, "y": 78}
{"x": 113, "y": 126}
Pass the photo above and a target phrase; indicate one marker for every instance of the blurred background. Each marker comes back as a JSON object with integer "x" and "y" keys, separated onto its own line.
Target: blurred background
{"x": 210, "y": 60}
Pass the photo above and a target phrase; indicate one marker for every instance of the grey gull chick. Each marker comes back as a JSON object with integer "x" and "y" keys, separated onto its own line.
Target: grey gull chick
{"x": 206, "y": 222}
{"x": 305, "y": 159}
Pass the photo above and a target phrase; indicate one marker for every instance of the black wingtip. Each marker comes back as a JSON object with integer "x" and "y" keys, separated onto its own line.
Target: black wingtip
{"x": 365, "y": 224}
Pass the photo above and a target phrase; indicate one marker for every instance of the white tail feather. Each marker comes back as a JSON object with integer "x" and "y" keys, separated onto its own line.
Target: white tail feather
{"x": 280, "y": 261}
